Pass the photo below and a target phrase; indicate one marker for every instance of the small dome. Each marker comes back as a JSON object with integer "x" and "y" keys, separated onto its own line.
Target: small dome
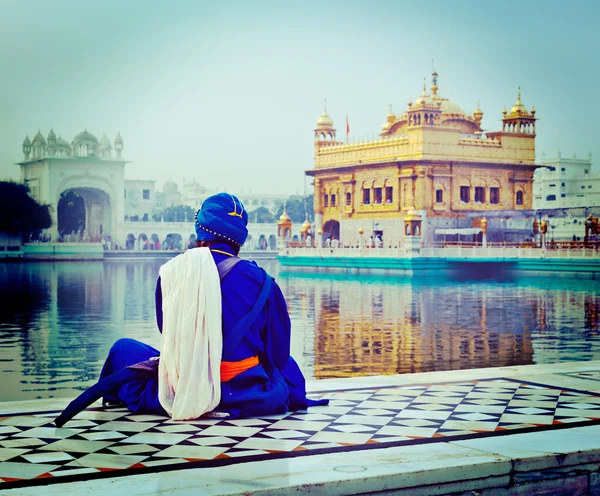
{"x": 62, "y": 143}
{"x": 26, "y": 141}
{"x": 85, "y": 136}
{"x": 305, "y": 225}
{"x": 325, "y": 121}
{"x": 118, "y": 139}
{"x": 284, "y": 216}
{"x": 386, "y": 126}
{"x": 39, "y": 139}
{"x": 51, "y": 135}
{"x": 170, "y": 187}
{"x": 518, "y": 108}
{"x": 105, "y": 143}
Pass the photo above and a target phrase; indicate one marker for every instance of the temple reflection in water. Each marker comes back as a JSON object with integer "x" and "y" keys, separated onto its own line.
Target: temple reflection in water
{"x": 368, "y": 325}
{"x": 58, "y": 321}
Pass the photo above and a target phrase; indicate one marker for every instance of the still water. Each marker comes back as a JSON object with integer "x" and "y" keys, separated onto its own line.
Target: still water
{"x": 58, "y": 321}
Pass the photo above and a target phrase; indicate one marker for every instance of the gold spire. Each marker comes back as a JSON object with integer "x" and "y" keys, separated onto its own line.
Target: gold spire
{"x": 305, "y": 224}
{"x": 518, "y": 108}
{"x": 284, "y": 216}
{"x": 478, "y": 113}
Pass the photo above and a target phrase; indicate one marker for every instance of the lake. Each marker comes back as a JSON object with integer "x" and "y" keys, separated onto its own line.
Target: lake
{"x": 58, "y": 321}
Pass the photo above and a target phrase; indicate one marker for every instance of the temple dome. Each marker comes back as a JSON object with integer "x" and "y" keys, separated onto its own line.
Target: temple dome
{"x": 170, "y": 187}
{"x": 325, "y": 120}
{"x": 61, "y": 142}
{"x": 85, "y": 136}
{"x": 105, "y": 142}
{"x": 39, "y": 138}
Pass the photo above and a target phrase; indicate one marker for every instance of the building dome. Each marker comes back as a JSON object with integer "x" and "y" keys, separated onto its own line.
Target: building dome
{"x": 170, "y": 187}
{"x": 305, "y": 225}
{"x": 60, "y": 142}
{"x": 390, "y": 119}
{"x": 85, "y": 136}
{"x": 26, "y": 141}
{"x": 518, "y": 108}
{"x": 39, "y": 139}
{"x": 105, "y": 143}
{"x": 324, "y": 121}
{"x": 51, "y": 135}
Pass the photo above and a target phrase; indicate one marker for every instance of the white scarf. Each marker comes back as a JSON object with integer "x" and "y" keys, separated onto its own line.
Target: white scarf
{"x": 192, "y": 341}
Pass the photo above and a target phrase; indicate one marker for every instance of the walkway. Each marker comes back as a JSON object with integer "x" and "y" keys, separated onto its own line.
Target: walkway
{"x": 509, "y": 430}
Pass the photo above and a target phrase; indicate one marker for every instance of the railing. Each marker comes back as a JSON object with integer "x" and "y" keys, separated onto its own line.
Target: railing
{"x": 496, "y": 250}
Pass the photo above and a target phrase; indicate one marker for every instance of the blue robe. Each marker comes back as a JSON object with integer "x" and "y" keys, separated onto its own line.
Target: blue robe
{"x": 275, "y": 385}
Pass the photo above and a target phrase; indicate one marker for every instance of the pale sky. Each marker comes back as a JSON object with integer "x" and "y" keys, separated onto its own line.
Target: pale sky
{"x": 229, "y": 92}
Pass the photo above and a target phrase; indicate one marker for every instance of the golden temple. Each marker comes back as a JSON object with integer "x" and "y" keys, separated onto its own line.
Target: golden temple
{"x": 433, "y": 158}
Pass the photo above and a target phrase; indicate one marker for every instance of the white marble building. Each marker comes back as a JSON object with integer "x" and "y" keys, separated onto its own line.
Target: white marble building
{"x": 90, "y": 167}
{"x": 566, "y": 183}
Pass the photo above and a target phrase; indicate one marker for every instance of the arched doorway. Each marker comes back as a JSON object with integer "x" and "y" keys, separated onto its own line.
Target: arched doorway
{"x": 71, "y": 214}
{"x": 173, "y": 242}
{"x": 86, "y": 211}
{"x": 331, "y": 230}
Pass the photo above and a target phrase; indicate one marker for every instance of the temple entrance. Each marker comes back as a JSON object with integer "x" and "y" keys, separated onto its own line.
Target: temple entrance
{"x": 71, "y": 214}
{"x": 84, "y": 214}
{"x": 331, "y": 230}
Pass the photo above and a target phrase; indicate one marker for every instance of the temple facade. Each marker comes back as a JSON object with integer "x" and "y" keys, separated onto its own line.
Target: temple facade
{"x": 433, "y": 158}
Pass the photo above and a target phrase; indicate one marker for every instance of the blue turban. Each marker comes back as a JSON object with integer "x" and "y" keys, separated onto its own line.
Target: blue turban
{"x": 222, "y": 216}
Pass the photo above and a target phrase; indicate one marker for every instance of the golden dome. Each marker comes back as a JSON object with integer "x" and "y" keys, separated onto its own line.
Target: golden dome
{"x": 284, "y": 216}
{"x": 324, "y": 121}
{"x": 305, "y": 225}
{"x": 413, "y": 215}
{"x": 518, "y": 108}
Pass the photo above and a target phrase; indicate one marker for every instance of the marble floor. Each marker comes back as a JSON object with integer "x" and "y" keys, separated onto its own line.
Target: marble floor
{"x": 365, "y": 415}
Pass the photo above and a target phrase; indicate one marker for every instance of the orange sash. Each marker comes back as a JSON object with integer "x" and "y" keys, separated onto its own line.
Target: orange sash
{"x": 230, "y": 369}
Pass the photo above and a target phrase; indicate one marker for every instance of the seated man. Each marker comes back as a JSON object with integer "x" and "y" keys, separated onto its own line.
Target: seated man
{"x": 258, "y": 376}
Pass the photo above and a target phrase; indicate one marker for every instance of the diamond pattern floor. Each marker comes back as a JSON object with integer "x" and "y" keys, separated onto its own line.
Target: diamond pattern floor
{"x": 589, "y": 374}
{"x": 112, "y": 442}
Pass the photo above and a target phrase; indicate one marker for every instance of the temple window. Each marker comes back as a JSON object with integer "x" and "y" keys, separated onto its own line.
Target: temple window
{"x": 333, "y": 200}
{"x": 378, "y": 195}
{"x": 348, "y": 199}
{"x": 326, "y": 200}
{"x": 551, "y": 198}
{"x": 125, "y": 194}
{"x": 146, "y": 194}
{"x": 479, "y": 194}
{"x": 389, "y": 194}
{"x": 366, "y": 196}
{"x": 494, "y": 195}
{"x": 465, "y": 194}
{"x": 519, "y": 198}
{"x": 439, "y": 196}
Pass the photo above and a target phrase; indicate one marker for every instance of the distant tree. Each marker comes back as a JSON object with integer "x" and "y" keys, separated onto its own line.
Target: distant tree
{"x": 19, "y": 213}
{"x": 261, "y": 215}
{"x": 180, "y": 213}
{"x": 297, "y": 206}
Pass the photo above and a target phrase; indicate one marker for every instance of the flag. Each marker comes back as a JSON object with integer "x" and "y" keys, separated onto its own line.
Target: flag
{"x": 347, "y": 128}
